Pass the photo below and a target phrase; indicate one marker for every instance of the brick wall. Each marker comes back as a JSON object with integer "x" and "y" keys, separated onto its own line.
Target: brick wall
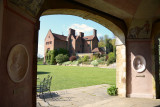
{"x": 60, "y": 44}
{"x": 94, "y": 43}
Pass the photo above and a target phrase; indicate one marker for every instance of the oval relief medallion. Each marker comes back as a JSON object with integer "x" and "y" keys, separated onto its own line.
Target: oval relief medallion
{"x": 18, "y": 63}
{"x": 139, "y": 63}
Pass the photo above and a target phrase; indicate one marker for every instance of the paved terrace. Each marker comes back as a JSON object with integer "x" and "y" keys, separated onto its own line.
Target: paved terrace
{"x": 92, "y": 96}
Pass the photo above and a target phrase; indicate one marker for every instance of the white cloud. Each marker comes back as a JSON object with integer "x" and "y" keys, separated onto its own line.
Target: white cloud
{"x": 81, "y": 28}
{"x": 41, "y": 49}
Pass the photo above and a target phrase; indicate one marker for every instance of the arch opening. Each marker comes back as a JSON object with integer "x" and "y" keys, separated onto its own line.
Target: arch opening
{"x": 120, "y": 42}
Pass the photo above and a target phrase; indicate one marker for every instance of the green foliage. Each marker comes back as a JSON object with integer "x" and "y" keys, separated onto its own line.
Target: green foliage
{"x": 63, "y": 51}
{"x": 48, "y": 57}
{"x": 101, "y": 42}
{"x": 60, "y": 58}
{"x": 95, "y": 57}
{"x": 108, "y": 43}
{"x": 112, "y": 90}
{"x": 111, "y": 58}
{"x": 85, "y": 58}
{"x": 75, "y": 63}
{"x": 109, "y": 46}
{"x": 95, "y": 63}
{"x": 67, "y": 63}
{"x": 80, "y": 60}
{"x": 51, "y": 55}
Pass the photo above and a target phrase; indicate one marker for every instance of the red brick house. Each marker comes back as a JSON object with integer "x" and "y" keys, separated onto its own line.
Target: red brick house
{"x": 74, "y": 44}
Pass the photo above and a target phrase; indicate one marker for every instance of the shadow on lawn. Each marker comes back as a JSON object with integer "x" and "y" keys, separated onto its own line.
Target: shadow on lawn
{"x": 42, "y": 72}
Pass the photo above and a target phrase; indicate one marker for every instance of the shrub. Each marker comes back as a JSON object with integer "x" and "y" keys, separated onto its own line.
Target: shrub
{"x": 85, "y": 58}
{"x": 94, "y": 63}
{"x": 75, "y": 63}
{"x": 102, "y": 58}
{"x": 94, "y": 57}
{"x": 61, "y": 58}
{"x": 80, "y": 60}
{"x": 112, "y": 90}
{"x": 111, "y": 58}
{"x": 72, "y": 58}
{"x": 67, "y": 63}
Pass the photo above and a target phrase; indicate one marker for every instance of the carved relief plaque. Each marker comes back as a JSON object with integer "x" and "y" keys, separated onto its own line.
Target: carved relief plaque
{"x": 18, "y": 63}
{"x": 139, "y": 63}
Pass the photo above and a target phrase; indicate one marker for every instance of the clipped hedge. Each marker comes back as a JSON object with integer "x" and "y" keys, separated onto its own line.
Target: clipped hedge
{"x": 60, "y": 58}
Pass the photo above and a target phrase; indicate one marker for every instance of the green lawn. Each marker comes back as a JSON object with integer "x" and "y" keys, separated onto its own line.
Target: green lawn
{"x": 40, "y": 61}
{"x": 66, "y": 77}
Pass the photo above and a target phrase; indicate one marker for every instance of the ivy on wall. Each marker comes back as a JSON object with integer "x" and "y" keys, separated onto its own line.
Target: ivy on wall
{"x": 50, "y": 55}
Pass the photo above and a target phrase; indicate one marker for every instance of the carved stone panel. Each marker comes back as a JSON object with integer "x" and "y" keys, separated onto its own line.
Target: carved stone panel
{"x": 18, "y": 63}
{"x": 139, "y": 63}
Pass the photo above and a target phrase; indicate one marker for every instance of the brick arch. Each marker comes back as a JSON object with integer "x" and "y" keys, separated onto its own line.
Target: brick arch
{"x": 120, "y": 41}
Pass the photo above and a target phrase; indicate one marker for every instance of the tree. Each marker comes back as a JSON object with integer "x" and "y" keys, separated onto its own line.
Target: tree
{"x": 101, "y": 42}
{"x": 114, "y": 46}
{"x": 109, "y": 46}
{"x": 108, "y": 43}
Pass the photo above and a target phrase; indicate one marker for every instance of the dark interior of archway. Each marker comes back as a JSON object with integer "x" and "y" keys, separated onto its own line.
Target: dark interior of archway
{"x": 157, "y": 65}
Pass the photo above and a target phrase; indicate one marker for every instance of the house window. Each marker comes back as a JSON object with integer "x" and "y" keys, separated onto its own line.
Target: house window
{"x": 47, "y": 43}
{"x": 50, "y": 42}
{"x": 48, "y": 36}
{"x": 48, "y": 49}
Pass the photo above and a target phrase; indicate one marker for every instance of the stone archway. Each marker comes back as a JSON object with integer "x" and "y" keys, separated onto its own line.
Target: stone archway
{"x": 21, "y": 27}
{"x": 120, "y": 42}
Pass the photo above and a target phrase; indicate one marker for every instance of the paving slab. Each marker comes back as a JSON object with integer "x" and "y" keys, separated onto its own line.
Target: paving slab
{"x": 92, "y": 96}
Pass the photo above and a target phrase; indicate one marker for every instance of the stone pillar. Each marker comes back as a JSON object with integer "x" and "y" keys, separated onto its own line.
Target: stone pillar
{"x": 121, "y": 66}
{"x": 121, "y": 70}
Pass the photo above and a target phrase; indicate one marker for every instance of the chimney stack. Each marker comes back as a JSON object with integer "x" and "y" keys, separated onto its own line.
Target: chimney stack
{"x": 71, "y": 31}
{"x": 94, "y": 32}
{"x": 81, "y": 34}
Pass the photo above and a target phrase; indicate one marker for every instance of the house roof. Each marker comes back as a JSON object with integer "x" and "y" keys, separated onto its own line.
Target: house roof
{"x": 60, "y": 37}
{"x": 89, "y": 37}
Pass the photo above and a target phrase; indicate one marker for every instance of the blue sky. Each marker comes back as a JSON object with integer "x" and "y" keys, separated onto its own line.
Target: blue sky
{"x": 61, "y": 23}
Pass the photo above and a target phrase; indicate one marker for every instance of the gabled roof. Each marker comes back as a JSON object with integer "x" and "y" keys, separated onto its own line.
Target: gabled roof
{"x": 89, "y": 37}
{"x": 60, "y": 37}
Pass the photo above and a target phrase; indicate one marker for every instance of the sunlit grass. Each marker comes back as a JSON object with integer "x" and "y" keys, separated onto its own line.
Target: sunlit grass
{"x": 66, "y": 77}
